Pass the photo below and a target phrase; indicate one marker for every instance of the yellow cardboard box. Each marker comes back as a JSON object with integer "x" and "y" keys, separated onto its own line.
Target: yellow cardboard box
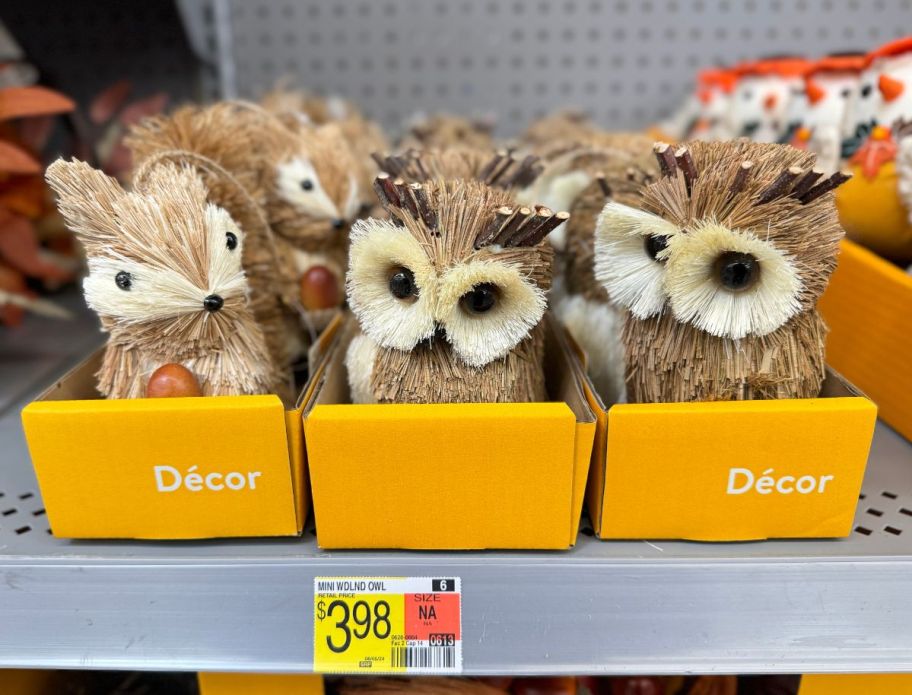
{"x": 854, "y": 684}
{"x": 168, "y": 468}
{"x": 868, "y": 307}
{"x": 449, "y": 476}
{"x": 260, "y": 684}
{"x": 730, "y": 471}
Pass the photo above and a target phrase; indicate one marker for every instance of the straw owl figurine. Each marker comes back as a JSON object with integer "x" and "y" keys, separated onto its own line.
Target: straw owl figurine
{"x": 450, "y": 295}
{"x": 166, "y": 279}
{"x": 720, "y": 273}
{"x": 615, "y": 173}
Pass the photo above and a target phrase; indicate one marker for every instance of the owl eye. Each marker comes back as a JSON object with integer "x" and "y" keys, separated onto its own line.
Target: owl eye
{"x": 231, "y": 240}
{"x": 307, "y": 185}
{"x": 480, "y": 298}
{"x": 654, "y": 245}
{"x": 123, "y": 280}
{"x": 402, "y": 284}
{"x": 737, "y": 271}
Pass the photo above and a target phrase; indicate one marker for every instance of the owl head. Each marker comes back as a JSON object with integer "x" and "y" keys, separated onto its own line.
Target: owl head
{"x": 162, "y": 260}
{"x": 734, "y": 238}
{"x": 457, "y": 261}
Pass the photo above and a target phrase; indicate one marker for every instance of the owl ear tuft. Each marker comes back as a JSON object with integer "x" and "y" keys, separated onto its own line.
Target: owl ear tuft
{"x": 87, "y": 199}
{"x": 522, "y": 226}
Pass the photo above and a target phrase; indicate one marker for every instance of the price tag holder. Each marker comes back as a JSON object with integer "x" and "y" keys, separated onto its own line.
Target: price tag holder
{"x": 388, "y": 625}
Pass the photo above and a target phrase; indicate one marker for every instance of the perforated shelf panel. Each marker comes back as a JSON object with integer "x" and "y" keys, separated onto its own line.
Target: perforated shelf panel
{"x": 619, "y": 607}
{"x": 627, "y": 62}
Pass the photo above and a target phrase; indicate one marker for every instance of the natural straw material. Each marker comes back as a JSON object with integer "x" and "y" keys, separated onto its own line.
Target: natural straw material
{"x": 452, "y": 238}
{"x": 719, "y": 206}
{"x": 156, "y": 260}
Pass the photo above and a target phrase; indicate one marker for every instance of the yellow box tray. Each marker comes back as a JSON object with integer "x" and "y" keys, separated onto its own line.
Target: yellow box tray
{"x": 168, "y": 468}
{"x": 868, "y": 307}
{"x": 449, "y": 476}
{"x": 730, "y": 471}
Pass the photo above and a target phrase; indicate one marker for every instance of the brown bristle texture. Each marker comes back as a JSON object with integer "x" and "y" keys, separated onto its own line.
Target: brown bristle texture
{"x": 478, "y": 210}
{"x": 714, "y": 352}
{"x": 164, "y": 228}
{"x": 803, "y": 185}
{"x": 670, "y": 362}
{"x": 498, "y": 169}
{"x": 431, "y": 373}
{"x": 622, "y": 166}
{"x": 808, "y": 232}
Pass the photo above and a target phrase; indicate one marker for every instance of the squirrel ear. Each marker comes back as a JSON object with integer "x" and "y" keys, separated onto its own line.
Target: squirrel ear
{"x": 87, "y": 200}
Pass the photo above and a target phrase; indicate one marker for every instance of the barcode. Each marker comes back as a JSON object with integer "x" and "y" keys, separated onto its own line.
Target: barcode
{"x": 424, "y": 657}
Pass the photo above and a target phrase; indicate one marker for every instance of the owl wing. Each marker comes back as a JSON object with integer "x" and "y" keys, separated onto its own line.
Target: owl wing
{"x": 359, "y": 363}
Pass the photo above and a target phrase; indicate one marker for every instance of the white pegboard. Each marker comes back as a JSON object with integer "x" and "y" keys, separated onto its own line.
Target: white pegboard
{"x": 626, "y": 62}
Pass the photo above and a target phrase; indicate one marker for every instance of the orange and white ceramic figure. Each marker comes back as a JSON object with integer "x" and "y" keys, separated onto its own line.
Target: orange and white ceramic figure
{"x": 759, "y": 107}
{"x": 875, "y": 207}
{"x": 831, "y": 85}
{"x": 714, "y": 90}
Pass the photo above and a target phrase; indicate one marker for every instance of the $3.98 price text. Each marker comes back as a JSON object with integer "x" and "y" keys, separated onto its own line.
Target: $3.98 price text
{"x": 357, "y": 620}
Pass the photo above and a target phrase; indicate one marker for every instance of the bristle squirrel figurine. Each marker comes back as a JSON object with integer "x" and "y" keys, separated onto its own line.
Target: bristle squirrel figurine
{"x": 450, "y": 295}
{"x": 166, "y": 279}
{"x": 720, "y": 273}
{"x": 304, "y": 184}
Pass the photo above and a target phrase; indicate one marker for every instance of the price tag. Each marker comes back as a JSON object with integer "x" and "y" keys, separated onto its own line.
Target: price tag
{"x": 387, "y": 625}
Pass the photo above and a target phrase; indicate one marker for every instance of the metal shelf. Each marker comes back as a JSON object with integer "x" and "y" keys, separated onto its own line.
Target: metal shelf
{"x": 620, "y": 607}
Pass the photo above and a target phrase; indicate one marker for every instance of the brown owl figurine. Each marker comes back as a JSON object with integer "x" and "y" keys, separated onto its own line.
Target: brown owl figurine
{"x": 450, "y": 294}
{"x": 720, "y": 273}
{"x": 166, "y": 278}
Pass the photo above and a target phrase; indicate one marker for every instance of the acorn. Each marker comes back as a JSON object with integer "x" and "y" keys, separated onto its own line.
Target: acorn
{"x": 172, "y": 380}
{"x": 319, "y": 288}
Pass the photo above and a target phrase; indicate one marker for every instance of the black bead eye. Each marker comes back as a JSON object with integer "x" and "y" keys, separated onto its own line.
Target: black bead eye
{"x": 866, "y": 91}
{"x": 231, "y": 240}
{"x": 123, "y": 280}
{"x": 307, "y": 185}
{"x": 402, "y": 284}
{"x": 737, "y": 271}
{"x": 654, "y": 245}
{"x": 480, "y": 298}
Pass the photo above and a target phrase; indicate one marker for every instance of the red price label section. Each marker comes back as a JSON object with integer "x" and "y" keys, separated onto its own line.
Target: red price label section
{"x": 388, "y": 625}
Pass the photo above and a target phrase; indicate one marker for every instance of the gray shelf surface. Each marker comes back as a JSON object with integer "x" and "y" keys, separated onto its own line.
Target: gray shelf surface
{"x": 618, "y": 607}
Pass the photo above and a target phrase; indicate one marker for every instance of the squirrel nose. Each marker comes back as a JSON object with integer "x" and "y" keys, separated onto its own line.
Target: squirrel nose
{"x": 213, "y": 302}
{"x": 338, "y": 223}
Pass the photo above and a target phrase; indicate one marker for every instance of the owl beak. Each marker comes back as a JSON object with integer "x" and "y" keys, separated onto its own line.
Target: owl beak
{"x": 439, "y": 334}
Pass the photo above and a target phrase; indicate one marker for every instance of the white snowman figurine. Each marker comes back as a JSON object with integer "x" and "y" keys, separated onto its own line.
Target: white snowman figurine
{"x": 759, "y": 107}
{"x": 876, "y": 210}
{"x": 832, "y": 86}
{"x": 714, "y": 90}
